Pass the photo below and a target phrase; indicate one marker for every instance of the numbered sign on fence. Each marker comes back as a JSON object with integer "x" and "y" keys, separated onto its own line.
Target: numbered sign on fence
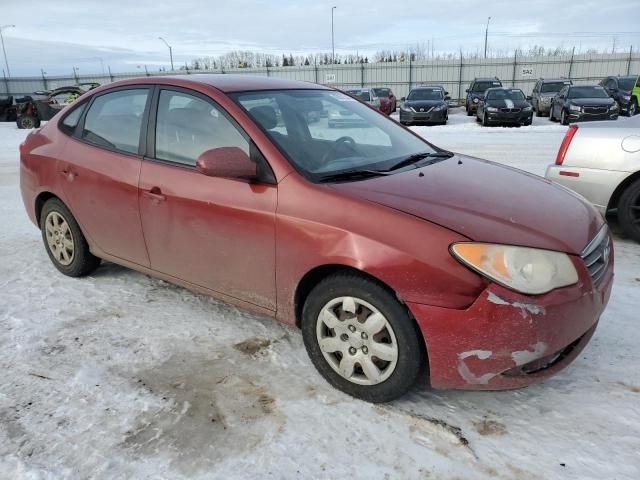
{"x": 330, "y": 78}
{"x": 527, "y": 72}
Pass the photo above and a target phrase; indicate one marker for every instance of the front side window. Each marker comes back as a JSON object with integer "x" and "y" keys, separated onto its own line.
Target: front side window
{"x": 362, "y": 95}
{"x": 350, "y": 136}
{"x": 187, "y": 126}
{"x": 114, "y": 120}
{"x": 626, "y": 83}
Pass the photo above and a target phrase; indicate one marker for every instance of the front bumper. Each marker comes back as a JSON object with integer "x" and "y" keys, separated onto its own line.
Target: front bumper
{"x": 588, "y": 117}
{"x": 507, "y": 340}
{"x": 519, "y": 118}
{"x": 544, "y": 106}
{"x": 431, "y": 116}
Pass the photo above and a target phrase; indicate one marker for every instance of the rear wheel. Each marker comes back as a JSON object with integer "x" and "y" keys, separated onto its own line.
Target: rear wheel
{"x": 361, "y": 339}
{"x": 64, "y": 241}
{"x": 629, "y": 211}
{"x": 28, "y": 122}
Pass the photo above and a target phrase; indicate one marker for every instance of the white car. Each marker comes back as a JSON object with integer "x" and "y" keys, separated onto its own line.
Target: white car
{"x": 601, "y": 162}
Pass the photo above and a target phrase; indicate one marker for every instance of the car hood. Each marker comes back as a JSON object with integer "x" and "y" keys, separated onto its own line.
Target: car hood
{"x": 424, "y": 103}
{"x": 487, "y": 202}
{"x": 507, "y": 103}
{"x": 592, "y": 101}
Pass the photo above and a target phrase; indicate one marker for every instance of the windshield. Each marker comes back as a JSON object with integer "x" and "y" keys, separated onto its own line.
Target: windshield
{"x": 626, "y": 83}
{"x": 480, "y": 87}
{"x": 363, "y": 95}
{"x": 425, "y": 94}
{"x": 382, "y": 92}
{"x": 342, "y": 134}
{"x": 552, "y": 87}
{"x": 505, "y": 95}
{"x": 587, "y": 92}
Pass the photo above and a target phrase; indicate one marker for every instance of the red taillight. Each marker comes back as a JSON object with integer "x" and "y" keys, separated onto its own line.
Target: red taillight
{"x": 565, "y": 144}
{"x": 23, "y": 146}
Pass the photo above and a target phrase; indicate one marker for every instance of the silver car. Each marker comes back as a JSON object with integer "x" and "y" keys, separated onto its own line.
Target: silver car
{"x": 544, "y": 91}
{"x": 601, "y": 162}
{"x": 366, "y": 95}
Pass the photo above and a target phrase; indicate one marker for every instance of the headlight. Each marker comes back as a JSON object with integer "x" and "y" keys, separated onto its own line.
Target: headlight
{"x": 614, "y": 107}
{"x": 406, "y": 108}
{"x": 526, "y": 270}
{"x": 526, "y": 109}
{"x": 575, "y": 108}
{"x": 492, "y": 109}
{"x": 475, "y": 100}
{"x": 438, "y": 108}
{"x": 626, "y": 98}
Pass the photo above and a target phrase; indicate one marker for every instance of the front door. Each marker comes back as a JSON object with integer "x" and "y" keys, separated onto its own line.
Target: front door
{"x": 100, "y": 167}
{"x": 217, "y": 233}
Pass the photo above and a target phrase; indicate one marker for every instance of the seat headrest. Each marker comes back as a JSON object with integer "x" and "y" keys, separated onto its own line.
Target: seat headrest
{"x": 265, "y": 115}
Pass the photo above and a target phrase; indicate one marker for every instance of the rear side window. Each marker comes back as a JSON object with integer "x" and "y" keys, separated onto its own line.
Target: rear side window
{"x": 187, "y": 126}
{"x": 114, "y": 120}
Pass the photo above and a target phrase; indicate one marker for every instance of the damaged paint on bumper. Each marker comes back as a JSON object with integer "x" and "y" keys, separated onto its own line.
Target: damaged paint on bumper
{"x": 507, "y": 340}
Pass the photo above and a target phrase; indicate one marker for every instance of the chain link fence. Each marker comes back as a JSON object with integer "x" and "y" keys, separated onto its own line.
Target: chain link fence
{"x": 454, "y": 74}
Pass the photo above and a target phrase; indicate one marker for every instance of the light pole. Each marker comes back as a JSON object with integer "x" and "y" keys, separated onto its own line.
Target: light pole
{"x": 486, "y": 34}
{"x": 170, "y": 51}
{"x": 333, "y": 49}
{"x": 6, "y": 62}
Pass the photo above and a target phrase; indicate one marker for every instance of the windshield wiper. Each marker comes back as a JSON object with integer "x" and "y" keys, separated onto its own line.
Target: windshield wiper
{"x": 416, "y": 157}
{"x": 352, "y": 175}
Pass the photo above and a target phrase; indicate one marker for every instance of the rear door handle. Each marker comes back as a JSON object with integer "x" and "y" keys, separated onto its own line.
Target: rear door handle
{"x": 154, "y": 194}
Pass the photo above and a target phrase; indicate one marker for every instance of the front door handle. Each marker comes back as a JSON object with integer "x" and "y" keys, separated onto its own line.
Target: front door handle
{"x": 69, "y": 175}
{"x": 154, "y": 194}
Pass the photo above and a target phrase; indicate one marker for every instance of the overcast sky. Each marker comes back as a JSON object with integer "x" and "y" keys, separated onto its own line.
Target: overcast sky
{"x": 57, "y": 35}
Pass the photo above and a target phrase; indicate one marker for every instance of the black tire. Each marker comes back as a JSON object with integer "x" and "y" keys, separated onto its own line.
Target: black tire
{"x": 551, "y": 117}
{"x": 83, "y": 261}
{"x": 411, "y": 359}
{"x": 28, "y": 122}
{"x": 469, "y": 111}
{"x": 564, "y": 120}
{"x": 538, "y": 112}
{"x": 633, "y": 107}
{"x": 629, "y": 211}
{"x": 485, "y": 123}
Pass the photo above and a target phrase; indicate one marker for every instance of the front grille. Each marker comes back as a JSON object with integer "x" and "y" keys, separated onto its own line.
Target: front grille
{"x": 595, "y": 110}
{"x": 510, "y": 110}
{"x": 597, "y": 255}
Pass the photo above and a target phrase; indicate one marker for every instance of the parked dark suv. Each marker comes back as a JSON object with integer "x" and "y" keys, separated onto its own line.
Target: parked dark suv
{"x": 544, "y": 91}
{"x": 625, "y": 91}
{"x": 475, "y": 92}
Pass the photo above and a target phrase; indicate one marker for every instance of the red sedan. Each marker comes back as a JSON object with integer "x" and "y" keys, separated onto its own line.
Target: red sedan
{"x": 393, "y": 256}
{"x": 387, "y": 99}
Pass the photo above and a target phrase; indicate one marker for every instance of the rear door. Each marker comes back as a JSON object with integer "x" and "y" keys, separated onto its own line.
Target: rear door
{"x": 214, "y": 232}
{"x": 101, "y": 168}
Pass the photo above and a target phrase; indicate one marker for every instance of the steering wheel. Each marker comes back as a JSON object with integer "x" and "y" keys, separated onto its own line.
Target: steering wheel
{"x": 336, "y": 145}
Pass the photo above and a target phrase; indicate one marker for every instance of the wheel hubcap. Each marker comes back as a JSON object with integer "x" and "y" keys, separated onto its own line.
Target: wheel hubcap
{"x": 357, "y": 340}
{"x": 59, "y": 238}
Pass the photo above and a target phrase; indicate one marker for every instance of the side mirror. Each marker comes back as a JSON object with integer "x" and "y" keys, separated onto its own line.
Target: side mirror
{"x": 446, "y": 93}
{"x": 403, "y": 99}
{"x": 447, "y": 97}
{"x": 227, "y": 162}
{"x": 467, "y": 90}
{"x": 529, "y": 98}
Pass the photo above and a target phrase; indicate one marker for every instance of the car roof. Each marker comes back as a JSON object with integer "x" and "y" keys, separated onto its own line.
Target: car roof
{"x": 487, "y": 79}
{"x": 224, "y": 82}
{"x": 428, "y": 87}
{"x": 493, "y": 89}
{"x": 555, "y": 80}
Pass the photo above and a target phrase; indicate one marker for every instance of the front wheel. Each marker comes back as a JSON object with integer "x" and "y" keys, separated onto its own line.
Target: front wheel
{"x": 633, "y": 107}
{"x": 629, "y": 211}
{"x": 563, "y": 118}
{"x": 28, "y": 122}
{"x": 551, "y": 117}
{"x": 361, "y": 339}
{"x": 64, "y": 241}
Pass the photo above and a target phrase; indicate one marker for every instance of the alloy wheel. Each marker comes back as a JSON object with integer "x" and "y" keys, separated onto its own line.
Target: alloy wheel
{"x": 59, "y": 238}
{"x": 357, "y": 340}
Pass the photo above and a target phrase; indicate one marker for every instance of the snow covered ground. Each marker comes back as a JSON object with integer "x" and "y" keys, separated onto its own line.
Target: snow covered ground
{"x": 120, "y": 375}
